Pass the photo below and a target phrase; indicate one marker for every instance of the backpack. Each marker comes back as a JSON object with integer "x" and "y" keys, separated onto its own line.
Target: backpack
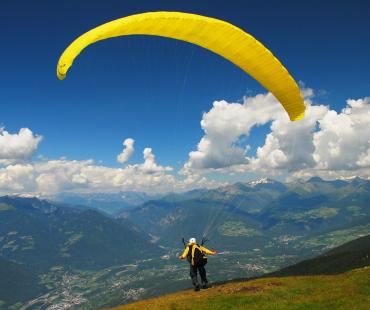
{"x": 198, "y": 258}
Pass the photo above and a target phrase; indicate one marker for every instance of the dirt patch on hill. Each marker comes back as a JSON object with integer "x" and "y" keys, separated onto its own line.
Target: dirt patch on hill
{"x": 250, "y": 289}
{"x": 243, "y": 288}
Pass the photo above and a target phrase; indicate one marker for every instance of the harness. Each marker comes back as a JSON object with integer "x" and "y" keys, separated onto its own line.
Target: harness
{"x": 190, "y": 256}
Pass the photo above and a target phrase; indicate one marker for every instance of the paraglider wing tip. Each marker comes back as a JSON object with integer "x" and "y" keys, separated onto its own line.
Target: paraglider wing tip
{"x": 298, "y": 117}
{"x": 61, "y": 76}
{"x": 61, "y": 71}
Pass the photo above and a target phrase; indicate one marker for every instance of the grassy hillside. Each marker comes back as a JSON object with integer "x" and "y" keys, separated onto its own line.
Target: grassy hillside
{"x": 349, "y": 290}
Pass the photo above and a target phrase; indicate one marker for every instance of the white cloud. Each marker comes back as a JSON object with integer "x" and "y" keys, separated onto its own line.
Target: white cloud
{"x": 224, "y": 124}
{"x": 17, "y": 178}
{"x": 48, "y": 177}
{"x": 150, "y": 166}
{"x": 289, "y": 145}
{"x": 344, "y": 137}
{"x": 65, "y": 175}
{"x": 127, "y": 151}
{"x": 324, "y": 143}
{"x": 364, "y": 158}
{"x": 18, "y": 146}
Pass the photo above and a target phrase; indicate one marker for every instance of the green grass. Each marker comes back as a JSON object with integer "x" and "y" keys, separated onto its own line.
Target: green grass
{"x": 350, "y": 290}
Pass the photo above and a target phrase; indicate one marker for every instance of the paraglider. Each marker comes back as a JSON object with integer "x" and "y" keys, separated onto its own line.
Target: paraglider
{"x": 195, "y": 254}
{"x": 216, "y": 35}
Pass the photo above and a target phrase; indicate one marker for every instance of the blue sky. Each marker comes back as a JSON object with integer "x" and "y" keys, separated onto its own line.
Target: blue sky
{"x": 155, "y": 90}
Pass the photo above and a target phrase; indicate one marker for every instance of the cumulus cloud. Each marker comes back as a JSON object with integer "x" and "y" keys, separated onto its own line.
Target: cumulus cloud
{"x": 17, "y": 178}
{"x": 127, "y": 151}
{"x": 342, "y": 143}
{"x": 69, "y": 175}
{"x": 325, "y": 142}
{"x": 343, "y": 138}
{"x": 289, "y": 145}
{"x": 18, "y": 146}
{"x": 49, "y": 177}
{"x": 224, "y": 124}
{"x": 150, "y": 166}
{"x": 364, "y": 158}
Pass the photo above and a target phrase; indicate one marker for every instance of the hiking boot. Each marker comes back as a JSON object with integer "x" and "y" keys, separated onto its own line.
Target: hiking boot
{"x": 197, "y": 288}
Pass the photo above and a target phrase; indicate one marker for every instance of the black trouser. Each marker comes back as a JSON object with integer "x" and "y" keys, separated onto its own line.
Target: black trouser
{"x": 202, "y": 273}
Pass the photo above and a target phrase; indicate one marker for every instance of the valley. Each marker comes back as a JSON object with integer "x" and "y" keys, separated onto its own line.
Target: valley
{"x": 86, "y": 259}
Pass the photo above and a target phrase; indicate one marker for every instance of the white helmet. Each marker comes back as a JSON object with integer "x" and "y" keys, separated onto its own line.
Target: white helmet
{"x": 192, "y": 240}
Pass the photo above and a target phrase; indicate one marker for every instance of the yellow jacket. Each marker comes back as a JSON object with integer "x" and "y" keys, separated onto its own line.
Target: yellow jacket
{"x": 195, "y": 246}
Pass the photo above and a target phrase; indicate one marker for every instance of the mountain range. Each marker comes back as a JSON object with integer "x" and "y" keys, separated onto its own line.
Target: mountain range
{"x": 82, "y": 257}
{"x": 110, "y": 203}
{"x": 260, "y": 214}
{"x": 43, "y": 234}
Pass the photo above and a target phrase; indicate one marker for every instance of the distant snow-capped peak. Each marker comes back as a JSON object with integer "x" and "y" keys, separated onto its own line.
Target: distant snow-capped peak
{"x": 261, "y": 181}
{"x": 25, "y": 195}
{"x": 348, "y": 178}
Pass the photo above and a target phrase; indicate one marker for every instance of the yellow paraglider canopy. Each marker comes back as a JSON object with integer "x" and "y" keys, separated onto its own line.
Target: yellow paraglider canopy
{"x": 216, "y": 35}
